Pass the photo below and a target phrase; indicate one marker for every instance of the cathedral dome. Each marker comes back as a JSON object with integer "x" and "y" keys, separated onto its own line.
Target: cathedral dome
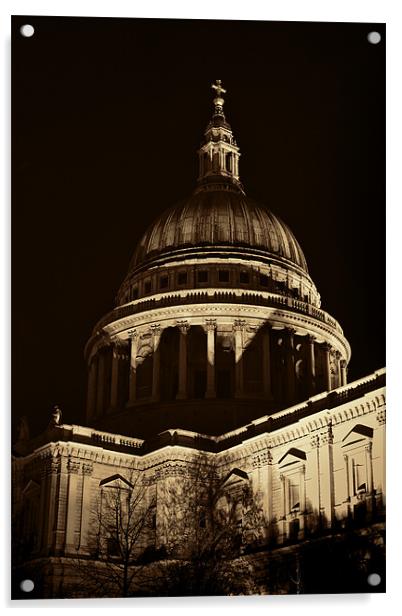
{"x": 217, "y": 321}
{"x": 218, "y": 215}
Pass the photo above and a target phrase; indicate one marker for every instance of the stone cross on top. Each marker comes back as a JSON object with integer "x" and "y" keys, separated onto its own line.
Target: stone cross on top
{"x": 218, "y": 87}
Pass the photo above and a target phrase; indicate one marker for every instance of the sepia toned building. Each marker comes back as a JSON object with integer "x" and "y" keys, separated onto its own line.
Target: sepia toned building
{"x": 217, "y": 347}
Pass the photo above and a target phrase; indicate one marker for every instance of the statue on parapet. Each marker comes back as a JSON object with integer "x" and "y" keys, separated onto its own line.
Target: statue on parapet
{"x": 55, "y": 419}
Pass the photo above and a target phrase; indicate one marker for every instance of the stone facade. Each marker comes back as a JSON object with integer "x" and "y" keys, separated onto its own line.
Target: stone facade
{"x": 302, "y": 465}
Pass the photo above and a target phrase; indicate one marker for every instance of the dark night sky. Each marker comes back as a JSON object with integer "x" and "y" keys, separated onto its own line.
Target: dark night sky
{"x": 107, "y": 117}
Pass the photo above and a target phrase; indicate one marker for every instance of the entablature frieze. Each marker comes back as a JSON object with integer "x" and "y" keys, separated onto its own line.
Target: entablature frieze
{"x": 229, "y": 314}
{"x": 64, "y": 455}
{"x": 381, "y": 416}
{"x": 264, "y": 458}
{"x": 73, "y": 466}
{"x": 179, "y": 454}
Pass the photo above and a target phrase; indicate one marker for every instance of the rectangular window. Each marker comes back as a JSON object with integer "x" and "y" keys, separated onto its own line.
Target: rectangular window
{"x": 182, "y": 278}
{"x": 147, "y": 286}
{"x": 163, "y": 282}
{"x": 112, "y": 546}
{"x": 359, "y": 478}
{"x": 223, "y": 276}
{"x": 134, "y": 293}
{"x": 294, "y": 495}
{"x": 202, "y": 276}
{"x": 244, "y": 278}
{"x": 263, "y": 280}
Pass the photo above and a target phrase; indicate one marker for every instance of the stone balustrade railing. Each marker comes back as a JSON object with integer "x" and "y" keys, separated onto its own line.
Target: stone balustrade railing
{"x": 218, "y": 297}
{"x": 185, "y": 438}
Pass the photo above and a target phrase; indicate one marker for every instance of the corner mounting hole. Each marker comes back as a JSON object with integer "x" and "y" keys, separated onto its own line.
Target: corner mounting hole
{"x": 374, "y": 579}
{"x": 374, "y": 37}
{"x": 27, "y": 30}
{"x": 27, "y": 585}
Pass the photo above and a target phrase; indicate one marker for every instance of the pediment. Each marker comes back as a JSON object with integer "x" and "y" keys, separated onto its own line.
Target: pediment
{"x": 292, "y": 456}
{"x": 234, "y": 477}
{"x": 31, "y": 488}
{"x": 358, "y": 433}
{"x": 116, "y": 481}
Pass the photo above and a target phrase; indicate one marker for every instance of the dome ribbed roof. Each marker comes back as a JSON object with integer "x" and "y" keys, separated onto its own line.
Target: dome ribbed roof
{"x": 218, "y": 218}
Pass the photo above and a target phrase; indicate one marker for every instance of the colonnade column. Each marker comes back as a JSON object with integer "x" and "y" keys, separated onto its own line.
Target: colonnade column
{"x": 114, "y": 386}
{"x": 156, "y": 335}
{"x": 182, "y": 388}
{"x": 133, "y": 367}
{"x": 236, "y": 165}
{"x": 266, "y": 362}
{"x": 327, "y": 366}
{"x": 338, "y": 369}
{"x": 343, "y": 372}
{"x": 91, "y": 394}
{"x": 100, "y": 383}
{"x": 290, "y": 363}
{"x": 211, "y": 328}
{"x": 238, "y": 327}
{"x": 311, "y": 363}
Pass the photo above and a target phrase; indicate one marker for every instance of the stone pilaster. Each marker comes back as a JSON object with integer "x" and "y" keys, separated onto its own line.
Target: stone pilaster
{"x": 314, "y": 495}
{"x": 327, "y": 476}
{"x": 59, "y": 533}
{"x": 303, "y": 499}
{"x": 369, "y": 467}
{"x": 52, "y": 467}
{"x": 347, "y": 479}
{"x": 379, "y": 452}
{"x": 86, "y": 504}
{"x": 284, "y": 505}
{"x": 73, "y": 467}
{"x": 262, "y": 464}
